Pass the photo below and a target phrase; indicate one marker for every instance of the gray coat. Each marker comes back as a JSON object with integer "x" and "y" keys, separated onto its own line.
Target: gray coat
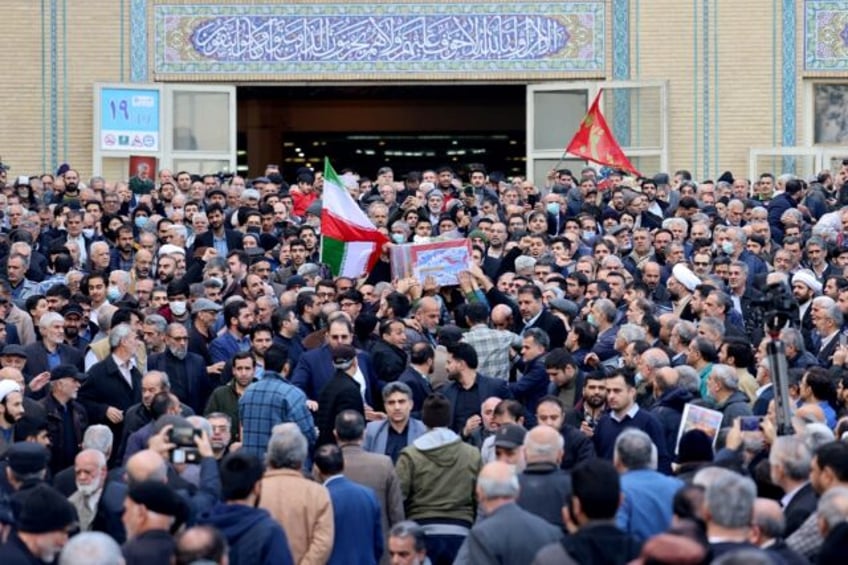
{"x": 509, "y": 535}
{"x": 377, "y": 432}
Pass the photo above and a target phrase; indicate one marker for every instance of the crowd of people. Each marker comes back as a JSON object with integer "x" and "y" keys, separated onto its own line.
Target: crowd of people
{"x": 182, "y": 380}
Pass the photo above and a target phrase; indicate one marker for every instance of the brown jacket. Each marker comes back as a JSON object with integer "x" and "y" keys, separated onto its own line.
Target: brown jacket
{"x": 302, "y": 507}
{"x": 376, "y": 472}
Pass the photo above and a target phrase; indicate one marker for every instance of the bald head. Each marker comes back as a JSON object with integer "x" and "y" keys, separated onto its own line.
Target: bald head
{"x": 666, "y": 378}
{"x": 543, "y": 444}
{"x": 497, "y": 481}
{"x": 501, "y": 314}
{"x": 147, "y": 465}
{"x": 12, "y": 374}
{"x": 768, "y": 520}
{"x": 200, "y": 543}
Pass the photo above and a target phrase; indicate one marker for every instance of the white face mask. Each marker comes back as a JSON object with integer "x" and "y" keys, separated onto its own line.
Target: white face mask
{"x": 178, "y": 307}
{"x": 88, "y": 232}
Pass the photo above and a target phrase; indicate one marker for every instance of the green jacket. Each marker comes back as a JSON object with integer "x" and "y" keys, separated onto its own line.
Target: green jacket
{"x": 437, "y": 476}
{"x": 225, "y": 399}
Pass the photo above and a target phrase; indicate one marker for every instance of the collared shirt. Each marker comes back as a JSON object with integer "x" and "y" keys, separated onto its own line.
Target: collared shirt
{"x": 359, "y": 379}
{"x": 220, "y": 244}
{"x": 492, "y": 347}
{"x": 531, "y": 321}
{"x": 53, "y": 358}
{"x": 125, "y": 367}
{"x": 396, "y": 441}
{"x": 703, "y": 376}
{"x": 225, "y": 346}
{"x": 267, "y": 403}
{"x": 787, "y": 498}
{"x": 334, "y": 477}
{"x": 631, "y": 413}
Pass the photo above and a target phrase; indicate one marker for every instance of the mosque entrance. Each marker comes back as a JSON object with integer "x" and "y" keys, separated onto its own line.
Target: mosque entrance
{"x": 406, "y": 127}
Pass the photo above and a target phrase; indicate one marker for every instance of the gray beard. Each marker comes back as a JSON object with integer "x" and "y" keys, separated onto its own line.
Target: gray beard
{"x": 179, "y": 353}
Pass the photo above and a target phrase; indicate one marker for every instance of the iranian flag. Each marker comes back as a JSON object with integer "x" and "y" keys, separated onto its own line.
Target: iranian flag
{"x": 350, "y": 244}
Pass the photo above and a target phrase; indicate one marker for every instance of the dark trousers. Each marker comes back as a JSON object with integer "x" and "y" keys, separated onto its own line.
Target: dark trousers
{"x": 442, "y": 549}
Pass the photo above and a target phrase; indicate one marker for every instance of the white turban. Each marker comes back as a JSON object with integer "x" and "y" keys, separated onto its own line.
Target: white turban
{"x": 685, "y": 276}
{"x": 807, "y": 278}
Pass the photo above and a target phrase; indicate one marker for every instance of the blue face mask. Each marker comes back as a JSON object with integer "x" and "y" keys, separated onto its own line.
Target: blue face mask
{"x": 727, "y": 247}
{"x": 141, "y": 221}
{"x": 113, "y": 294}
{"x": 398, "y": 238}
{"x": 590, "y": 319}
{"x": 553, "y": 208}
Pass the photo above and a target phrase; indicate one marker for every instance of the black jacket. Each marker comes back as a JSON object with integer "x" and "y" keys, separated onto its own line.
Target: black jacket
{"x": 234, "y": 240}
{"x": 669, "y": 410}
{"x": 105, "y": 387}
{"x": 154, "y": 546}
{"x": 552, "y": 325}
{"x": 388, "y": 360}
{"x": 195, "y": 388}
{"x": 486, "y": 387}
{"x": 37, "y": 359}
{"x": 56, "y": 431}
{"x": 110, "y": 508}
{"x": 804, "y": 503}
{"x": 545, "y": 489}
{"x": 420, "y": 387}
{"x": 602, "y": 543}
{"x": 15, "y": 552}
{"x": 340, "y": 393}
{"x": 578, "y": 447}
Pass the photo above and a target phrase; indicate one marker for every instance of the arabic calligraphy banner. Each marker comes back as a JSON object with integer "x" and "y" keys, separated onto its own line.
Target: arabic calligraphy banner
{"x": 380, "y": 40}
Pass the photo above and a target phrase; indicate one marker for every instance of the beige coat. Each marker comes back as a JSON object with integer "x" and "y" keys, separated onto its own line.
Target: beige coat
{"x": 303, "y": 508}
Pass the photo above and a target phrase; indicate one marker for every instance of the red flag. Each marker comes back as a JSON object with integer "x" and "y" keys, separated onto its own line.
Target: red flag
{"x": 594, "y": 142}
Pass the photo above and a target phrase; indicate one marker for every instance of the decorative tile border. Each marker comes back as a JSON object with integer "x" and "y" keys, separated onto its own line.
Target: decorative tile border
{"x": 377, "y": 40}
{"x": 621, "y": 68}
{"x": 789, "y": 80}
{"x": 825, "y": 35}
{"x": 138, "y": 40}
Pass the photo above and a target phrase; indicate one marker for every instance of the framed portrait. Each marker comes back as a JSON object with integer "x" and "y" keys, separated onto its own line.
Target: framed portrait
{"x": 830, "y": 113}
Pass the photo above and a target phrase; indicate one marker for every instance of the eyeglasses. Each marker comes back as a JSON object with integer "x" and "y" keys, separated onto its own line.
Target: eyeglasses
{"x": 324, "y": 294}
{"x": 700, "y": 264}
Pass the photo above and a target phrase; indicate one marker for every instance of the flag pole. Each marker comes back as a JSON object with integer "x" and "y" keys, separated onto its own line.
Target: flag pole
{"x": 561, "y": 159}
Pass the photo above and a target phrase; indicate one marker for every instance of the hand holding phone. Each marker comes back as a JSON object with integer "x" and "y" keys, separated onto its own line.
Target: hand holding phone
{"x": 750, "y": 423}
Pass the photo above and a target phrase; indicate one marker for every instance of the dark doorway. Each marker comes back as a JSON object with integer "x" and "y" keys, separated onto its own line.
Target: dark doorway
{"x": 410, "y": 127}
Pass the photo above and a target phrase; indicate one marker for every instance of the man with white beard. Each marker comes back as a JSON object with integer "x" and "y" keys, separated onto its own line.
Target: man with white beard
{"x": 99, "y": 503}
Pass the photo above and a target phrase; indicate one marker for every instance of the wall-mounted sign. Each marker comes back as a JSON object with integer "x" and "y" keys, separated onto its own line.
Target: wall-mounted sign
{"x": 404, "y": 40}
{"x": 129, "y": 119}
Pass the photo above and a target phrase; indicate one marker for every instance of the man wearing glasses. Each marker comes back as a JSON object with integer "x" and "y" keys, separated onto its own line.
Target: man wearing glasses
{"x": 186, "y": 370}
{"x": 702, "y": 264}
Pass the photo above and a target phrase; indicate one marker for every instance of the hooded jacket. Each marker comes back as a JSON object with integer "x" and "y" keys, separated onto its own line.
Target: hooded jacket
{"x": 735, "y": 406}
{"x": 437, "y": 476}
{"x": 669, "y": 410}
{"x": 253, "y": 536}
